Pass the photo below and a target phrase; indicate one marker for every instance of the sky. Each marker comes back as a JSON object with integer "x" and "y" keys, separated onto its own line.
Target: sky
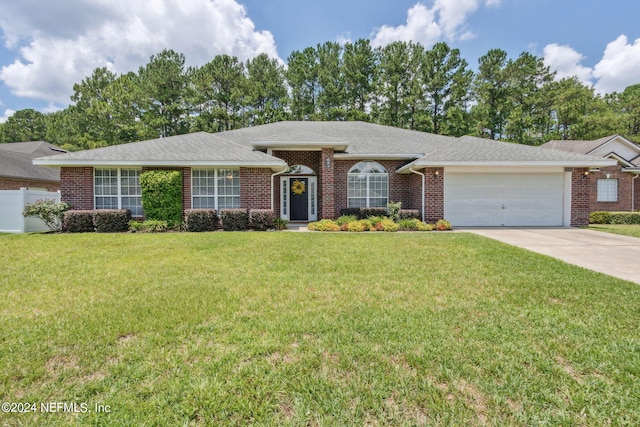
{"x": 48, "y": 46}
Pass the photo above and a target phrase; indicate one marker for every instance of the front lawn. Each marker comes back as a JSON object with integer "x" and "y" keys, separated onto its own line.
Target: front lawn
{"x": 311, "y": 329}
{"x": 624, "y": 229}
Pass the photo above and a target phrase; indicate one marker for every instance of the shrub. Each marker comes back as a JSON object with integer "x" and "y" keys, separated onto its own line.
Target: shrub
{"x": 49, "y": 211}
{"x": 324, "y": 225}
{"x": 345, "y": 219}
{"x": 76, "y": 221}
{"x": 350, "y": 212}
{"x": 387, "y": 225}
{"x": 357, "y": 226}
{"x": 262, "y": 219}
{"x": 198, "y": 220}
{"x": 111, "y": 220}
{"x": 409, "y": 214}
{"x": 624, "y": 218}
{"x": 162, "y": 196}
{"x": 413, "y": 224}
{"x": 281, "y": 223}
{"x": 149, "y": 226}
{"x": 599, "y": 217}
{"x": 442, "y": 225}
{"x": 393, "y": 209}
{"x": 374, "y": 220}
{"x": 367, "y": 212}
{"x": 234, "y": 219}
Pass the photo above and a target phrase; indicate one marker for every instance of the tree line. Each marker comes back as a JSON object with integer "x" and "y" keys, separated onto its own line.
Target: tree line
{"x": 402, "y": 84}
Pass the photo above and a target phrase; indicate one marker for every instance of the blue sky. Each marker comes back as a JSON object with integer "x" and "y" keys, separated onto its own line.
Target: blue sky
{"x": 47, "y": 46}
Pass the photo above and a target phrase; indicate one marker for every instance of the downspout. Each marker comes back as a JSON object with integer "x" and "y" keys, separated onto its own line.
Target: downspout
{"x": 273, "y": 192}
{"x": 633, "y": 193}
{"x": 422, "y": 192}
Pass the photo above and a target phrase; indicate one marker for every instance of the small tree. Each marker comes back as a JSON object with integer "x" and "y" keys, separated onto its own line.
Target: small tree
{"x": 162, "y": 196}
{"x": 49, "y": 211}
{"x": 393, "y": 210}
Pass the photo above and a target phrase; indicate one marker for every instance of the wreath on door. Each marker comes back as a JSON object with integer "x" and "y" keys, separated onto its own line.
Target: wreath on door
{"x": 298, "y": 187}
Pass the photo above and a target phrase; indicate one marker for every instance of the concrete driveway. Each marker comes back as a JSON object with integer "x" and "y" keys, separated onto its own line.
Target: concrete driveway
{"x": 612, "y": 254}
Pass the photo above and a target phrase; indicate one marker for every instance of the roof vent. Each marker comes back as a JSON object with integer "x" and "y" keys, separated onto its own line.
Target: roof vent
{"x": 568, "y": 169}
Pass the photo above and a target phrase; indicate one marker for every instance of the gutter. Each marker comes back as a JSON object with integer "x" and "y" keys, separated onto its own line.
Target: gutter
{"x": 633, "y": 193}
{"x": 422, "y": 192}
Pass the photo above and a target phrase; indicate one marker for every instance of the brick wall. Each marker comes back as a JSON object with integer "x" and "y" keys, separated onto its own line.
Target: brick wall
{"x": 16, "y": 184}
{"x": 433, "y": 194}
{"x": 625, "y": 193}
{"x": 76, "y": 187}
{"x": 580, "y": 197}
{"x": 327, "y": 188}
{"x": 255, "y": 188}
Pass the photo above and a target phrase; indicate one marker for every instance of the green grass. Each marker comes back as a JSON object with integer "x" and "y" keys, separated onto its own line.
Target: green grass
{"x": 626, "y": 230}
{"x": 312, "y": 328}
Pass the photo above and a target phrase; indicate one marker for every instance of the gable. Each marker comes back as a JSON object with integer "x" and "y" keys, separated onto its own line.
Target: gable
{"x": 619, "y": 146}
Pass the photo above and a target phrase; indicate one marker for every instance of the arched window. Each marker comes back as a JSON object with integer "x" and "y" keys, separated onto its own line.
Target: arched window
{"x": 300, "y": 170}
{"x": 367, "y": 185}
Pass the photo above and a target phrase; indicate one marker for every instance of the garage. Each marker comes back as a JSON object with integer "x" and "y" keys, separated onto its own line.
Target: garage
{"x": 505, "y": 199}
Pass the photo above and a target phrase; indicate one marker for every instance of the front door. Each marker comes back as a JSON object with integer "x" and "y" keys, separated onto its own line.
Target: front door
{"x": 299, "y": 197}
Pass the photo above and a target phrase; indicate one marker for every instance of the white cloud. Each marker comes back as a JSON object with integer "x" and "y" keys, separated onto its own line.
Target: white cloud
{"x": 445, "y": 19}
{"x": 6, "y": 115}
{"x": 619, "y": 66}
{"x": 62, "y": 42}
{"x": 566, "y": 62}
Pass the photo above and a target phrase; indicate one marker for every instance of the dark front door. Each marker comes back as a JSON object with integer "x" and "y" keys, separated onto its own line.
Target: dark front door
{"x": 299, "y": 196}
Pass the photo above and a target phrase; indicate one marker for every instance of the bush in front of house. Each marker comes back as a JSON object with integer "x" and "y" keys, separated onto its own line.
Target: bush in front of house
{"x": 49, "y": 211}
{"x": 162, "y": 196}
{"x": 234, "y": 219}
{"x": 111, "y": 220}
{"x": 262, "y": 219}
{"x": 413, "y": 224}
{"x": 409, "y": 214}
{"x": 78, "y": 221}
{"x": 149, "y": 226}
{"x": 367, "y": 212}
{"x": 345, "y": 219}
{"x": 602, "y": 217}
{"x": 387, "y": 225}
{"x": 199, "y": 220}
{"x": 323, "y": 225}
{"x": 350, "y": 212}
{"x": 442, "y": 225}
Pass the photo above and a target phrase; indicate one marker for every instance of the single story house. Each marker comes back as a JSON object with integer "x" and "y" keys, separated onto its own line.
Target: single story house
{"x": 18, "y": 171}
{"x": 306, "y": 171}
{"x": 615, "y": 187}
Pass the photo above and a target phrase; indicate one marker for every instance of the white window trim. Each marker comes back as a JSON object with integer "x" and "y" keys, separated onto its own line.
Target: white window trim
{"x": 600, "y": 196}
{"x": 216, "y": 193}
{"x": 119, "y": 194}
{"x": 368, "y": 190}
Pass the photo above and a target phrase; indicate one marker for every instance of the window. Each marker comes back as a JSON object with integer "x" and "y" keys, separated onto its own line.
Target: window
{"x": 367, "y": 185}
{"x": 607, "y": 190}
{"x": 118, "y": 189}
{"x": 215, "y": 188}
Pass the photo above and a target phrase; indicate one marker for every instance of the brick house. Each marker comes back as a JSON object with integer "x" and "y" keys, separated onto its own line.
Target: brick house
{"x": 306, "y": 171}
{"x": 615, "y": 187}
{"x": 18, "y": 171}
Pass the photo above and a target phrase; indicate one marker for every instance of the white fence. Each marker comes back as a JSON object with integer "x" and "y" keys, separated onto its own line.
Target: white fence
{"x": 12, "y": 203}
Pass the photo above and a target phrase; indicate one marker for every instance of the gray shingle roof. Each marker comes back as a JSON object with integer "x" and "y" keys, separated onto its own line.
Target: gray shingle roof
{"x": 240, "y": 147}
{"x": 577, "y": 146}
{"x": 199, "y": 148}
{"x": 16, "y": 160}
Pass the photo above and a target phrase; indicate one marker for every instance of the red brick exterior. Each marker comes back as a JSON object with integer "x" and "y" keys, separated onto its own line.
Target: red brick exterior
{"x": 625, "y": 190}
{"x": 76, "y": 187}
{"x": 255, "y": 188}
{"x": 580, "y": 196}
{"x": 433, "y": 194}
{"x": 327, "y": 199}
{"x": 16, "y": 184}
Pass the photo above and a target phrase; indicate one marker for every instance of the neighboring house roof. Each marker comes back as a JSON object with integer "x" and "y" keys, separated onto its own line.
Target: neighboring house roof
{"x": 242, "y": 147}
{"x": 195, "y": 149}
{"x": 614, "y": 147}
{"x": 16, "y": 161}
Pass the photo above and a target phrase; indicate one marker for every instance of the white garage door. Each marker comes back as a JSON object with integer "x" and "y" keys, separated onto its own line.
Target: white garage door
{"x": 504, "y": 199}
